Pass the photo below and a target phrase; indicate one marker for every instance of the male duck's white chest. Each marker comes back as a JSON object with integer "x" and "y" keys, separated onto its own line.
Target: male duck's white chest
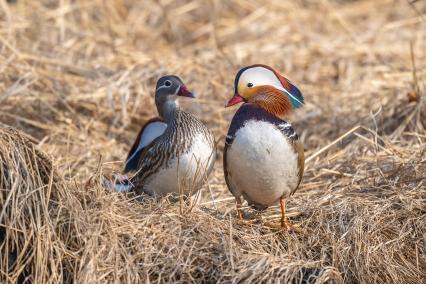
{"x": 262, "y": 163}
{"x": 184, "y": 174}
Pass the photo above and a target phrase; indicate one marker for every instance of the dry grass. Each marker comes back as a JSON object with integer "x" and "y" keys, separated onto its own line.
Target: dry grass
{"x": 77, "y": 77}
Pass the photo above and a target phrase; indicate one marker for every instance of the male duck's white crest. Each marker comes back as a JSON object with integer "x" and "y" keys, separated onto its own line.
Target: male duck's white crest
{"x": 259, "y": 76}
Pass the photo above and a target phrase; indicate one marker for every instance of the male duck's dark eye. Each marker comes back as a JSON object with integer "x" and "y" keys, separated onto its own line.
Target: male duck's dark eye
{"x": 250, "y": 85}
{"x": 167, "y": 83}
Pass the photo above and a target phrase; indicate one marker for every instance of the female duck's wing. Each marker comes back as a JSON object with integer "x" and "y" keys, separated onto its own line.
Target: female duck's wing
{"x": 150, "y": 131}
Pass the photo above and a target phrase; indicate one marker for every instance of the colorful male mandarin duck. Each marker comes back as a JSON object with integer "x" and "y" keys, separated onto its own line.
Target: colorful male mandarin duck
{"x": 263, "y": 156}
{"x": 174, "y": 153}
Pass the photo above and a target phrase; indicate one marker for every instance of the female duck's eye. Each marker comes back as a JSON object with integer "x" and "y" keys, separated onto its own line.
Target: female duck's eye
{"x": 167, "y": 83}
{"x": 250, "y": 85}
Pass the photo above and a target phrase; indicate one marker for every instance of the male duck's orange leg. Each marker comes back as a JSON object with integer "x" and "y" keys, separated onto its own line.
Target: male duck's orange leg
{"x": 284, "y": 221}
{"x": 238, "y": 203}
{"x": 240, "y": 216}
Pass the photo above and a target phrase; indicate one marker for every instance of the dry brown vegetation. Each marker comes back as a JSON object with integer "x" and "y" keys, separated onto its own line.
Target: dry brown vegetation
{"x": 77, "y": 78}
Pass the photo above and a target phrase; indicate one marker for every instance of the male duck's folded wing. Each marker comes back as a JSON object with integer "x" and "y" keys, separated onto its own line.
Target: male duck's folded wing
{"x": 228, "y": 142}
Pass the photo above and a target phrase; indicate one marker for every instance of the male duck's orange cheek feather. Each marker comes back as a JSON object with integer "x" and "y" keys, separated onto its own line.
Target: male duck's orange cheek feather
{"x": 272, "y": 100}
{"x": 248, "y": 93}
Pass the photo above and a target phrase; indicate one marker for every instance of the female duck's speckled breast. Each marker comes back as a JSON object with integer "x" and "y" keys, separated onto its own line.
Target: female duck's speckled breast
{"x": 184, "y": 157}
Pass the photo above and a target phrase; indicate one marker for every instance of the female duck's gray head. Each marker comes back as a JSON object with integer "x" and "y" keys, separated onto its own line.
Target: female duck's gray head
{"x": 168, "y": 89}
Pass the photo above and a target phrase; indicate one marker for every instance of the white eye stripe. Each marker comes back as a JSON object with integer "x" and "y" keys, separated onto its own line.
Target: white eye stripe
{"x": 167, "y": 84}
{"x": 162, "y": 87}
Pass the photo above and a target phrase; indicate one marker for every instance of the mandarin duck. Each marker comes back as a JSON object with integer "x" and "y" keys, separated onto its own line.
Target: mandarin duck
{"x": 173, "y": 153}
{"x": 263, "y": 156}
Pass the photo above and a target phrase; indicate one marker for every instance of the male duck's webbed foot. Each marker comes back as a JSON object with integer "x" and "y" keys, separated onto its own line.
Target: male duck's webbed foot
{"x": 284, "y": 224}
{"x": 241, "y": 220}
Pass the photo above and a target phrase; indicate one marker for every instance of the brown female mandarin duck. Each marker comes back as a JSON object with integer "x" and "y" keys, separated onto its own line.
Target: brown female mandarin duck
{"x": 174, "y": 153}
{"x": 263, "y": 156}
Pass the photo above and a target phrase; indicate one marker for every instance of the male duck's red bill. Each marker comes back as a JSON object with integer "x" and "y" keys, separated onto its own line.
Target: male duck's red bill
{"x": 236, "y": 99}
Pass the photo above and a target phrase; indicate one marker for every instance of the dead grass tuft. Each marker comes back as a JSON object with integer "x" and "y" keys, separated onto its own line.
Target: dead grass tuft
{"x": 29, "y": 247}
